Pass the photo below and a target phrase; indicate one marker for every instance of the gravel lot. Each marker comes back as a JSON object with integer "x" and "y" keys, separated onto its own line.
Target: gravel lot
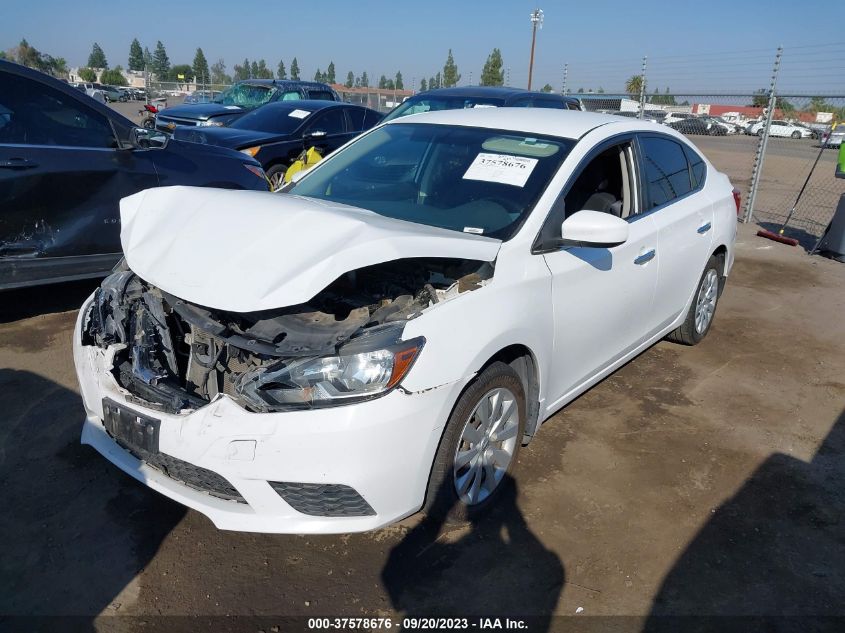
{"x": 694, "y": 481}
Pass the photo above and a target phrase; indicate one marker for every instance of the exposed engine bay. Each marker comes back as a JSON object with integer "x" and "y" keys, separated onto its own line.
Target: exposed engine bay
{"x": 174, "y": 355}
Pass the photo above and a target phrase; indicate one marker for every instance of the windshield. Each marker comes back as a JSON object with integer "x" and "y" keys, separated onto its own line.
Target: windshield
{"x": 414, "y": 105}
{"x": 246, "y": 95}
{"x": 272, "y": 119}
{"x": 471, "y": 180}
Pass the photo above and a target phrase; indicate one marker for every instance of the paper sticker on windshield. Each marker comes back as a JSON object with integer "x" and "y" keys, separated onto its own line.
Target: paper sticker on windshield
{"x": 299, "y": 114}
{"x": 502, "y": 168}
{"x": 473, "y": 229}
{"x": 483, "y": 105}
{"x": 233, "y": 107}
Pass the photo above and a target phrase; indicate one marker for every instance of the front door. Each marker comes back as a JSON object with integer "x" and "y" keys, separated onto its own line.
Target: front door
{"x": 602, "y": 297}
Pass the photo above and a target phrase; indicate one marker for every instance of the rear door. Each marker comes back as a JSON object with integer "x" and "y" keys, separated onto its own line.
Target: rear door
{"x": 61, "y": 178}
{"x": 673, "y": 176}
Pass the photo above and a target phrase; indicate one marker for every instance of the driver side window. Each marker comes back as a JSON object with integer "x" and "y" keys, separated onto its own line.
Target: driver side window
{"x": 331, "y": 122}
{"x": 605, "y": 184}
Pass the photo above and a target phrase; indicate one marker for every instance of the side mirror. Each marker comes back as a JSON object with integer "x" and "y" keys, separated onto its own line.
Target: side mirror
{"x": 315, "y": 134}
{"x": 143, "y": 138}
{"x": 593, "y": 229}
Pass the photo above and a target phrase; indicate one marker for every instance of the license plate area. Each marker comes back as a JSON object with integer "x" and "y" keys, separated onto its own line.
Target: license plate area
{"x": 132, "y": 430}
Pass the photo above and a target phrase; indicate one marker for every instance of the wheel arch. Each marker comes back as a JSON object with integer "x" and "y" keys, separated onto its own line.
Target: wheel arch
{"x": 523, "y": 361}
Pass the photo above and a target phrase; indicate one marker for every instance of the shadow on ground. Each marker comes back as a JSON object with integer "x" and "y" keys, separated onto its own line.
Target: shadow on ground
{"x": 774, "y": 552}
{"x": 494, "y": 568}
{"x": 74, "y": 530}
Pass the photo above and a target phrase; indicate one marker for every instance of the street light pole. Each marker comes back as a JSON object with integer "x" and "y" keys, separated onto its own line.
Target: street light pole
{"x": 536, "y": 20}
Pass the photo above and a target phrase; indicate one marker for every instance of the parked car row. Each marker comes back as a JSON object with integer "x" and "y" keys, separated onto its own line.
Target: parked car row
{"x": 66, "y": 161}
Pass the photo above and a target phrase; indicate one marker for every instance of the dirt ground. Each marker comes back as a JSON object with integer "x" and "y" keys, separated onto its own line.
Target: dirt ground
{"x": 694, "y": 481}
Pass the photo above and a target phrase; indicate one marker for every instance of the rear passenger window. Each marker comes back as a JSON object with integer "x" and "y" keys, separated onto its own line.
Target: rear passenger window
{"x": 697, "y": 168}
{"x": 356, "y": 118}
{"x": 666, "y": 170}
{"x": 372, "y": 118}
{"x": 321, "y": 95}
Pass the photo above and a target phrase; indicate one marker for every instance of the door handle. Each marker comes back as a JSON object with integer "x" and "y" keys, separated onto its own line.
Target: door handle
{"x": 18, "y": 163}
{"x": 645, "y": 257}
{"x": 704, "y": 228}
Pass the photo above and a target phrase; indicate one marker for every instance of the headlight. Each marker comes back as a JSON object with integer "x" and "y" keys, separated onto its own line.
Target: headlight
{"x": 251, "y": 151}
{"x": 210, "y": 123}
{"x": 362, "y": 369}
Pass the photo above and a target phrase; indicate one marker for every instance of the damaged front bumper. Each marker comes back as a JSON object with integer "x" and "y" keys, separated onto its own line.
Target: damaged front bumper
{"x": 331, "y": 470}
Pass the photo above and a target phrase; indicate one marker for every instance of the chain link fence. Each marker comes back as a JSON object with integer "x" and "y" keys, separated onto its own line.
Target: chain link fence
{"x": 767, "y": 118}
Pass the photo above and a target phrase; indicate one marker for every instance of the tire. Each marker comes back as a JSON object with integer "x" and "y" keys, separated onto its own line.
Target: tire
{"x": 691, "y": 331}
{"x": 796, "y": 135}
{"x": 760, "y": 132}
{"x": 277, "y": 173}
{"x": 443, "y": 500}
{"x": 149, "y": 124}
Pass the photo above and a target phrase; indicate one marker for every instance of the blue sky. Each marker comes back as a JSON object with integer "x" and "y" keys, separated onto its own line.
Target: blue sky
{"x": 720, "y": 44}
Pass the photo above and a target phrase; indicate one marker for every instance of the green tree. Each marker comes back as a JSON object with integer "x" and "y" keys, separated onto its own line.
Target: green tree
{"x": 253, "y": 69}
{"x": 97, "y": 58}
{"x": 281, "y": 71}
{"x": 431, "y": 83}
{"x": 318, "y": 76}
{"x": 439, "y": 79}
{"x": 200, "y": 66}
{"x": 365, "y": 81}
{"x": 450, "y": 72}
{"x": 493, "y": 74}
{"x": 136, "y": 55}
{"x": 633, "y": 86}
{"x": 241, "y": 72}
{"x": 382, "y": 82}
{"x": 350, "y": 79}
{"x": 113, "y": 77}
{"x": 294, "y": 69}
{"x": 262, "y": 72}
{"x": 400, "y": 85}
{"x": 546, "y": 88}
{"x": 86, "y": 74}
{"x": 148, "y": 59}
{"x": 3, "y": 55}
{"x": 760, "y": 98}
{"x": 580, "y": 91}
{"x": 30, "y": 56}
{"x": 218, "y": 73}
{"x": 181, "y": 69}
{"x": 423, "y": 85}
{"x": 818, "y": 104}
{"x": 330, "y": 74}
{"x": 161, "y": 62}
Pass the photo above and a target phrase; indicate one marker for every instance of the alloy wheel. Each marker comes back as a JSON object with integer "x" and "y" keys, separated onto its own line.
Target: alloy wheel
{"x": 705, "y": 304}
{"x": 486, "y": 447}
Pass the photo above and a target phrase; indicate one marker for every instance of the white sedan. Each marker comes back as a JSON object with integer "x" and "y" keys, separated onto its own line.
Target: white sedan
{"x": 783, "y": 129}
{"x": 383, "y": 338}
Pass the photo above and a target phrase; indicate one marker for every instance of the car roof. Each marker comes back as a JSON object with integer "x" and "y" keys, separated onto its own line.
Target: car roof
{"x": 503, "y": 92}
{"x": 284, "y": 83}
{"x": 542, "y": 121}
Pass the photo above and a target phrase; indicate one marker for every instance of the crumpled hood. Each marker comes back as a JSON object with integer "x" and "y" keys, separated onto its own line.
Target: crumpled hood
{"x": 246, "y": 250}
{"x": 202, "y": 111}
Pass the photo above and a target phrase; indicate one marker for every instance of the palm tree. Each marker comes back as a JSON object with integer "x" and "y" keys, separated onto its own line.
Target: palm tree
{"x": 633, "y": 86}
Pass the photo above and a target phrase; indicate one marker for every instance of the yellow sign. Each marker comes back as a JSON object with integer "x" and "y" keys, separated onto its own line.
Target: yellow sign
{"x": 180, "y": 76}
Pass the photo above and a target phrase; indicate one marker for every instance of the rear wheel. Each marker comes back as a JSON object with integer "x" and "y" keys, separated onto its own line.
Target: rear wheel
{"x": 700, "y": 315}
{"x": 479, "y": 446}
{"x": 796, "y": 135}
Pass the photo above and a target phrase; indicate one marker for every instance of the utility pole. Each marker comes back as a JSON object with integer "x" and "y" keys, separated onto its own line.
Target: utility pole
{"x": 565, "y": 70}
{"x": 508, "y": 77}
{"x": 536, "y": 20}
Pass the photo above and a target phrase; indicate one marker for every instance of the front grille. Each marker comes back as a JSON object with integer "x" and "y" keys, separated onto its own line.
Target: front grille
{"x": 198, "y": 478}
{"x": 323, "y": 500}
{"x": 177, "y": 120}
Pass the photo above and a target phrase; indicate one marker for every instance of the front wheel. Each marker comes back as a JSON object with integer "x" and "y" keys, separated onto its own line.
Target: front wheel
{"x": 700, "y": 315}
{"x": 276, "y": 176}
{"x": 796, "y": 135}
{"x": 479, "y": 446}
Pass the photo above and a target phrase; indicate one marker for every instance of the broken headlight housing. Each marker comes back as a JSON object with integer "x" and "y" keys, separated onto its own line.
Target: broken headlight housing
{"x": 364, "y": 368}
